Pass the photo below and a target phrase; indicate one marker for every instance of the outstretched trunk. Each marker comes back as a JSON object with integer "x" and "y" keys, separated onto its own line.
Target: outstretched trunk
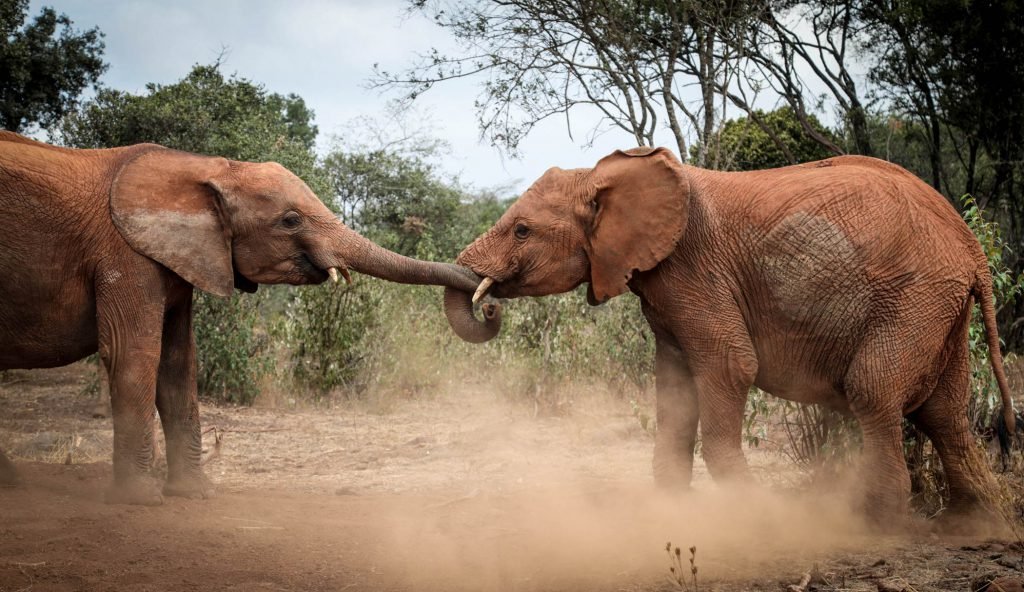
{"x": 458, "y": 307}
{"x": 363, "y": 255}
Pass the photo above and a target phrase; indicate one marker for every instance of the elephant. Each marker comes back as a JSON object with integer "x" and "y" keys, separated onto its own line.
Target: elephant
{"x": 846, "y": 282}
{"x": 102, "y": 251}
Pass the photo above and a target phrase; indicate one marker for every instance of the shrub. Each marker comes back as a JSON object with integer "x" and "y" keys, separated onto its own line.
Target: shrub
{"x": 231, "y": 348}
{"x": 326, "y": 330}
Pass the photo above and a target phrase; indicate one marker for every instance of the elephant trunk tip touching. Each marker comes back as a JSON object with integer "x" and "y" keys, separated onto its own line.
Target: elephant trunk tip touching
{"x": 458, "y": 308}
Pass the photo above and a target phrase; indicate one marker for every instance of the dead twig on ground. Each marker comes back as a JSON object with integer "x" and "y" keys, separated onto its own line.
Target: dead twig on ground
{"x": 802, "y": 586}
{"x": 246, "y": 520}
{"x": 217, "y": 438}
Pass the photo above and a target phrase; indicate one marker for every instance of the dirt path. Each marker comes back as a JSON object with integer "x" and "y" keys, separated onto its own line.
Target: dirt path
{"x": 457, "y": 493}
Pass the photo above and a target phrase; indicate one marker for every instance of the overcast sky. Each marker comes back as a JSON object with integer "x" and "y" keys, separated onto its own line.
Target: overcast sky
{"x": 324, "y": 51}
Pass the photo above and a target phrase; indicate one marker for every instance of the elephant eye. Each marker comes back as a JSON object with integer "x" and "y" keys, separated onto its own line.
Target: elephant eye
{"x": 291, "y": 220}
{"x": 522, "y": 231}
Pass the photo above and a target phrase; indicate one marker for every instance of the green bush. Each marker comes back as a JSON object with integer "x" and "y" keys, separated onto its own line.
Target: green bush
{"x": 232, "y": 351}
{"x": 327, "y": 332}
{"x": 548, "y": 343}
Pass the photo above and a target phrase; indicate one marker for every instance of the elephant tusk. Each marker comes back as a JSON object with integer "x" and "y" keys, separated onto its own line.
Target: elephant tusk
{"x": 333, "y": 272}
{"x": 482, "y": 289}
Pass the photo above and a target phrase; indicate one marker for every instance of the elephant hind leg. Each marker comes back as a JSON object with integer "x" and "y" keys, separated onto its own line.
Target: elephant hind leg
{"x": 943, "y": 418}
{"x": 8, "y": 474}
{"x": 877, "y": 390}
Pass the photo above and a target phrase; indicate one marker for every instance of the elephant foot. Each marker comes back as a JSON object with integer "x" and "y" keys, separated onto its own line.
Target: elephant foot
{"x": 672, "y": 481}
{"x": 195, "y": 486}
{"x": 138, "y": 491}
{"x": 974, "y": 521}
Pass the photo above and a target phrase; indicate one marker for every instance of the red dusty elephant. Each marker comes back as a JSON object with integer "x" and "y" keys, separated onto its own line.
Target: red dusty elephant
{"x": 847, "y": 282}
{"x": 102, "y": 249}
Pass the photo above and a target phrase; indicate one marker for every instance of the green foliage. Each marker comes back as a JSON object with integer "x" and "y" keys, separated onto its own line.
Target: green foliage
{"x": 766, "y": 140}
{"x": 44, "y": 65}
{"x": 231, "y": 348}
{"x": 207, "y": 113}
{"x": 398, "y": 200}
{"x": 560, "y": 339}
{"x": 328, "y": 331}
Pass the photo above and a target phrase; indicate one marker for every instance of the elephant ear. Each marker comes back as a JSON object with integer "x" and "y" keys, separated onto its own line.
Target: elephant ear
{"x": 641, "y": 199}
{"x": 167, "y": 207}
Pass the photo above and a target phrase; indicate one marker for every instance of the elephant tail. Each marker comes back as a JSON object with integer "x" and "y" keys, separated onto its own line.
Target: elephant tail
{"x": 982, "y": 291}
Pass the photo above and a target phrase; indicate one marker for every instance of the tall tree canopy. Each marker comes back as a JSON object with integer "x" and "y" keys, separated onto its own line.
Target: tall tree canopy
{"x": 206, "y": 113}
{"x": 44, "y": 65}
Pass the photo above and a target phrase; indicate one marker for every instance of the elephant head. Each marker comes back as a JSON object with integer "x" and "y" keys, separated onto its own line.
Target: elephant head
{"x": 598, "y": 225}
{"x": 221, "y": 224}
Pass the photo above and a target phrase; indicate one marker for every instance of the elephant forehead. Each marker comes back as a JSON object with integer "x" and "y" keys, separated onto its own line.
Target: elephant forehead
{"x": 273, "y": 180}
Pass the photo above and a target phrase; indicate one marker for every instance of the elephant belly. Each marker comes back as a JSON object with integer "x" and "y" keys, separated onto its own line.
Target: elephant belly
{"x": 44, "y": 328}
{"x": 798, "y": 383}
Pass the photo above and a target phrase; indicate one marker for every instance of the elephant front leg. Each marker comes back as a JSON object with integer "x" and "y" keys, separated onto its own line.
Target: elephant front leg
{"x": 130, "y": 322}
{"x": 132, "y": 365}
{"x": 178, "y": 403}
{"x": 677, "y": 415}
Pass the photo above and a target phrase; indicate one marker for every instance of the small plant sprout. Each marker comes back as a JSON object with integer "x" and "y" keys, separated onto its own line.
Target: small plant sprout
{"x": 677, "y": 576}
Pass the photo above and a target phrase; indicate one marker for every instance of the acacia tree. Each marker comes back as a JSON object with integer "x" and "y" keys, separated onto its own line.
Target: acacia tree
{"x": 639, "y": 63}
{"x": 44, "y": 65}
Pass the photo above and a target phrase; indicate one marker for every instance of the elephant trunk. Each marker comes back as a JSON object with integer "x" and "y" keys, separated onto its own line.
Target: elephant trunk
{"x": 458, "y": 308}
{"x": 364, "y": 256}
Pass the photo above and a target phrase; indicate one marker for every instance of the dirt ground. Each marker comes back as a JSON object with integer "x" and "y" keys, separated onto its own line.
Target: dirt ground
{"x": 457, "y": 491}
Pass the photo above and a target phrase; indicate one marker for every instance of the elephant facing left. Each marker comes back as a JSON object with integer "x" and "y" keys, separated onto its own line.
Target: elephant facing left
{"x": 101, "y": 250}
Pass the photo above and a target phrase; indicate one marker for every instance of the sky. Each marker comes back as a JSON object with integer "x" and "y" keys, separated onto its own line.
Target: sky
{"x": 324, "y": 51}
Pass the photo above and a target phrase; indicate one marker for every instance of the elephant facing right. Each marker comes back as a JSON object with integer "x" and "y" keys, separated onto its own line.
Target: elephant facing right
{"x": 846, "y": 282}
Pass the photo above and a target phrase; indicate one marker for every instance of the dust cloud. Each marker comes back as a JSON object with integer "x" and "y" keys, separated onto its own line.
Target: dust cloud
{"x": 571, "y": 536}
{"x": 459, "y": 488}
{"x": 569, "y": 503}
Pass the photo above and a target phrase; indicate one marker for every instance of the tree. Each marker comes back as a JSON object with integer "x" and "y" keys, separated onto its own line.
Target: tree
{"x": 399, "y": 201}
{"x": 802, "y": 52}
{"x": 747, "y": 146}
{"x": 633, "y": 61}
{"x": 204, "y": 113}
{"x": 44, "y": 65}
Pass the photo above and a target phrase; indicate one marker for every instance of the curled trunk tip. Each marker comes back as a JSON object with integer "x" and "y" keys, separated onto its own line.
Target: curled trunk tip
{"x": 458, "y": 308}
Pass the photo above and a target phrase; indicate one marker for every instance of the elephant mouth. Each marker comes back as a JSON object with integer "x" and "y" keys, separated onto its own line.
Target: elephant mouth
{"x": 318, "y": 274}
{"x": 313, "y": 272}
{"x": 494, "y": 288}
{"x": 245, "y": 284}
